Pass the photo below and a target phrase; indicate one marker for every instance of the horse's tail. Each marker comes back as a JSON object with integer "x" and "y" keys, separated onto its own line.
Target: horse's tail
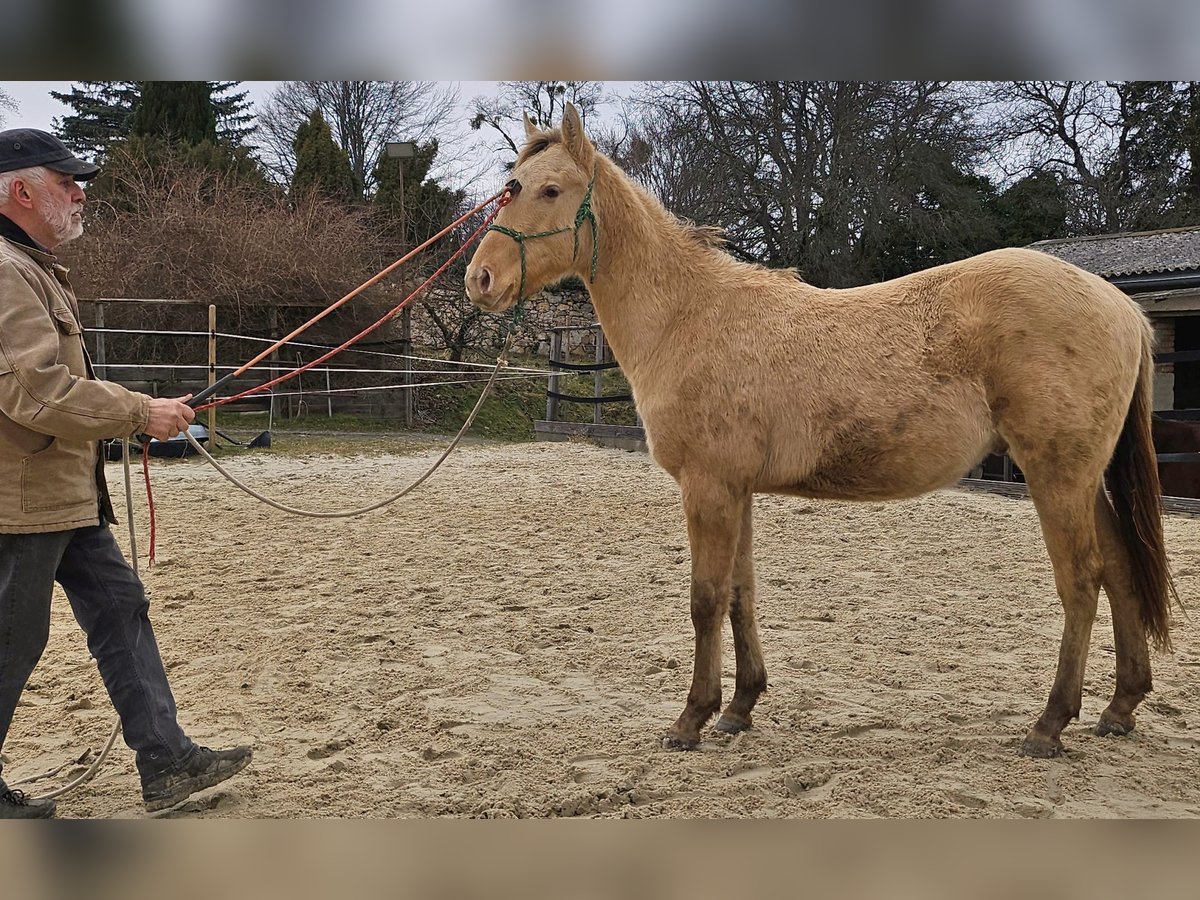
{"x": 1137, "y": 497}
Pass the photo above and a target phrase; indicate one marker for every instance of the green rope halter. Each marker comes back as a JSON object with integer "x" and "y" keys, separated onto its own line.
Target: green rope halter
{"x": 584, "y": 213}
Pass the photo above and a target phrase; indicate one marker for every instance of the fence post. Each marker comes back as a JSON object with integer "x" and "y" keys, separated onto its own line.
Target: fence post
{"x": 100, "y": 367}
{"x": 406, "y": 349}
{"x": 212, "y": 372}
{"x": 555, "y": 354}
{"x": 276, "y": 408}
{"x": 598, "y": 379}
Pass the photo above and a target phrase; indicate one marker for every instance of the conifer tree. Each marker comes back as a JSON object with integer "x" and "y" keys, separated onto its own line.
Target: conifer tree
{"x": 321, "y": 164}
{"x": 176, "y": 110}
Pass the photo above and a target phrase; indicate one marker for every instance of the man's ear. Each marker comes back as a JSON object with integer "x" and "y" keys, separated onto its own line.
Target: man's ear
{"x": 18, "y": 193}
{"x": 576, "y": 142}
{"x": 530, "y": 128}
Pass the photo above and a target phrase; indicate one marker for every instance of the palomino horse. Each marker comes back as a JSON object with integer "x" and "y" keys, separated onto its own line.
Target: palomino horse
{"x": 749, "y": 380}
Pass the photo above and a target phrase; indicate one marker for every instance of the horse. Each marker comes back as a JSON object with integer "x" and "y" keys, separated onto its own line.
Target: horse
{"x": 749, "y": 380}
{"x": 1178, "y": 479}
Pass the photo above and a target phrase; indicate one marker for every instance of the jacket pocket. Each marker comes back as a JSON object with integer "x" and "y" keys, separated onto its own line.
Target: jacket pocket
{"x": 65, "y": 320}
{"x": 55, "y": 478}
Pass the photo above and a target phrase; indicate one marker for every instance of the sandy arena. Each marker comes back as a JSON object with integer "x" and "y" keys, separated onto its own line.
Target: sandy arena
{"x": 513, "y": 639}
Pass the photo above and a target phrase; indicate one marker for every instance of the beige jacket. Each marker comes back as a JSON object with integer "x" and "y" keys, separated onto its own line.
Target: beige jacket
{"x": 53, "y": 413}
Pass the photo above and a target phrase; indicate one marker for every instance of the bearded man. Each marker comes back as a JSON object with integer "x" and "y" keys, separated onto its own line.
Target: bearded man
{"x": 55, "y": 510}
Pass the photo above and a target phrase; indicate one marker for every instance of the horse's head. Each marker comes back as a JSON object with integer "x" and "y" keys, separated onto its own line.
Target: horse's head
{"x": 546, "y": 231}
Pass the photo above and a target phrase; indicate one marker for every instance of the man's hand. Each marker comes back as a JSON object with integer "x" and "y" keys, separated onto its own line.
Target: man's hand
{"x": 169, "y": 417}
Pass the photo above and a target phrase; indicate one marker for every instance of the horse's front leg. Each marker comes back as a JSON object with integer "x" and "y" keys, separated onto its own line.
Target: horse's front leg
{"x": 714, "y": 515}
{"x": 751, "y": 672}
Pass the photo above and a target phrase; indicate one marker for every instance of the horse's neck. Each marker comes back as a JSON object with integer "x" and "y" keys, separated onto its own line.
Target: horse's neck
{"x": 642, "y": 282}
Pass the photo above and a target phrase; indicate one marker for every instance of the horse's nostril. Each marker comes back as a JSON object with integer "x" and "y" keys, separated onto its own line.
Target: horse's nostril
{"x": 485, "y": 281}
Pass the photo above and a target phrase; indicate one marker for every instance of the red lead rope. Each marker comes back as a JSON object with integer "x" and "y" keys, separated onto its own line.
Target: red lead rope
{"x": 362, "y": 334}
{"x": 504, "y": 198}
{"x": 149, "y": 496}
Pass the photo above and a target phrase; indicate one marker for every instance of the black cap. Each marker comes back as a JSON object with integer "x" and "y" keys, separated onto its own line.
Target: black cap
{"x": 24, "y": 148}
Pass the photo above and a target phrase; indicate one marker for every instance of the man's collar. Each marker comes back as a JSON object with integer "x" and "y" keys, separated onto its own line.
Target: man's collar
{"x": 15, "y": 233}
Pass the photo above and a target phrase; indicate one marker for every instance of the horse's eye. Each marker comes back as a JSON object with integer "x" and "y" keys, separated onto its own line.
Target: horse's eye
{"x": 550, "y": 192}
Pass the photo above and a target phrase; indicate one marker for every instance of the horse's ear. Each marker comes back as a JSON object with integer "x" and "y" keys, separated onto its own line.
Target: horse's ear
{"x": 574, "y": 139}
{"x": 530, "y": 128}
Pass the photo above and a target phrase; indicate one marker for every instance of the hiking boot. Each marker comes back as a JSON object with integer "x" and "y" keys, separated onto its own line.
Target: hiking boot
{"x": 203, "y": 769}
{"x": 19, "y": 805}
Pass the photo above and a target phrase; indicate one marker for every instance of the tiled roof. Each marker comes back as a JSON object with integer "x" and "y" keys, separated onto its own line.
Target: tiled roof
{"x": 1135, "y": 253}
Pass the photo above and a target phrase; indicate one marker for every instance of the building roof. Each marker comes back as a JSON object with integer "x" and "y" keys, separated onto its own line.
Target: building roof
{"x": 1134, "y": 253}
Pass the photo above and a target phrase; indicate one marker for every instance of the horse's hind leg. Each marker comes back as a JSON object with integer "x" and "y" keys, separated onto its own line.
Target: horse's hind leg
{"x": 1067, "y": 514}
{"x": 1133, "y": 653}
{"x": 751, "y": 677}
{"x": 714, "y": 515}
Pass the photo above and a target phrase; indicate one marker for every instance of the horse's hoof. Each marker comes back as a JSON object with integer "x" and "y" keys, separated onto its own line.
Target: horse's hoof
{"x": 732, "y": 724}
{"x": 1106, "y": 727}
{"x": 675, "y": 742}
{"x": 1041, "y": 748}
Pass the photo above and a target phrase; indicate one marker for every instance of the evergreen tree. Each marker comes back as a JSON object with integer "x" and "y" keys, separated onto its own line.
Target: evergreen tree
{"x": 104, "y": 114}
{"x": 1036, "y": 208}
{"x": 103, "y": 110}
{"x": 1164, "y": 153}
{"x": 427, "y": 206}
{"x": 235, "y": 120}
{"x": 321, "y": 164}
{"x": 176, "y": 110}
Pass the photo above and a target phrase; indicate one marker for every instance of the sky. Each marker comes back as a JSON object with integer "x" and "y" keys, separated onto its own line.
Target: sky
{"x": 37, "y": 109}
{"x": 478, "y": 160}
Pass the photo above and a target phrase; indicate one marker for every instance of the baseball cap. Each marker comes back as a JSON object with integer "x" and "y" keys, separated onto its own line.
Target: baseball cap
{"x": 24, "y": 148}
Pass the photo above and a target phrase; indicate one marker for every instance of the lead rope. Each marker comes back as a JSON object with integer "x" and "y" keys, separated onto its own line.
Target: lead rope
{"x": 501, "y": 362}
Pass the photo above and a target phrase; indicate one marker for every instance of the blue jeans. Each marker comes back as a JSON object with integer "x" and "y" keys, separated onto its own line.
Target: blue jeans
{"x": 110, "y": 605}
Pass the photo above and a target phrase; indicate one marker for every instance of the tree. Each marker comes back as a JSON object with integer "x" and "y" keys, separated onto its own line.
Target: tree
{"x": 543, "y": 101}
{"x": 802, "y": 174}
{"x": 236, "y": 122}
{"x": 1164, "y": 152}
{"x": 407, "y": 220}
{"x": 321, "y": 165}
{"x": 1102, "y": 141}
{"x": 426, "y": 207}
{"x": 104, "y": 114}
{"x": 362, "y": 115}
{"x": 176, "y": 110}
{"x": 6, "y": 102}
{"x": 1036, "y": 208}
{"x": 103, "y": 111}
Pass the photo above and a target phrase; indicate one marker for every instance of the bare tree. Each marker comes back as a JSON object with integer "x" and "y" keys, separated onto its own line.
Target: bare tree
{"x": 1080, "y": 131}
{"x": 803, "y": 174}
{"x": 6, "y": 102}
{"x": 543, "y": 101}
{"x": 364, "y": 116}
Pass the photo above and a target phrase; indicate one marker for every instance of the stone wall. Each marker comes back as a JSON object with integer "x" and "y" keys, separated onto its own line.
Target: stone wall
{"x": 543, "y": 311}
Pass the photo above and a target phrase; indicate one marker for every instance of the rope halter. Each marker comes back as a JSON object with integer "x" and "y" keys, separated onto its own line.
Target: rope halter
{"x": 583, "y": 214}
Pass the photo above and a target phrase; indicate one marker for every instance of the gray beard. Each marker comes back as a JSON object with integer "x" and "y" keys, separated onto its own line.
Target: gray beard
{"x": 61, "y": 224}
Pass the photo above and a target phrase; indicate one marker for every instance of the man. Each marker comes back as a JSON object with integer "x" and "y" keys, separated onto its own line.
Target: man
{"x": 54, "y": 505}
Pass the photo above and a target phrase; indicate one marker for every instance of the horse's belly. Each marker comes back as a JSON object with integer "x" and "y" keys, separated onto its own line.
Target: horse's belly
{"x": 903, "y": 465}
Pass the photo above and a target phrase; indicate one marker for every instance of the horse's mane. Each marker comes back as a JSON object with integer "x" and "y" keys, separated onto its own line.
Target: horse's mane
{"x": 710, "y": 237}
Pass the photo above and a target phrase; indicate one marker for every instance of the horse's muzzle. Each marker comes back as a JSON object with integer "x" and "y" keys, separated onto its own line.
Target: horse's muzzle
{"x": 483, "y": 291}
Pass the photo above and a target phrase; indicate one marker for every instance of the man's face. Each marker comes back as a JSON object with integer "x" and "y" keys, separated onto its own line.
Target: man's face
{"x": 60, "y": 205}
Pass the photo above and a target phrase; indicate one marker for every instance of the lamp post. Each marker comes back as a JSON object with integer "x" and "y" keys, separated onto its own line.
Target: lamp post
{"x": 400, "y": 151}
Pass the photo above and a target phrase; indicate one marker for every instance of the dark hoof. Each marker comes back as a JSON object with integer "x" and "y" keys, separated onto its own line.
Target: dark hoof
{"x": 1106, "y": 727}
{"x": 1041, "y": 748}
{"x": 675, "y": 742}
{"x": 732, "y": 724}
